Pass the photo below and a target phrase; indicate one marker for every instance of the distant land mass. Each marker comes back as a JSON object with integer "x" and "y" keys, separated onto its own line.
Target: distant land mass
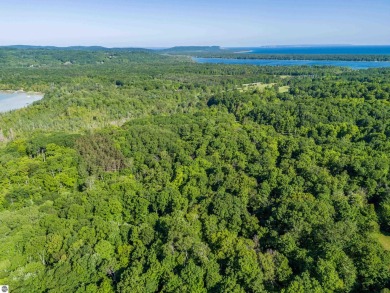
{"x": 279, "y": 52}
{"x": 344, "y": 48}
{"x": 180, "y": 49}
{"x": 302, "y": 52}
{"x": 76, "y": 48}
{"x": 302, "y": 45}
{"x": 101, "y": 48}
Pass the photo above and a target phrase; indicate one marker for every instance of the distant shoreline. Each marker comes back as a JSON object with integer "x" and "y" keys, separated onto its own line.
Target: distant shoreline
{"x": 356, "y": 65}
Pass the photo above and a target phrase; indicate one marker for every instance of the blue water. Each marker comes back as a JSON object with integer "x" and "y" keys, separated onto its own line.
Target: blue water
{"x": 350, "y": 50}
{"x": 16, "y": 100}
{"x": 262, "y": 62}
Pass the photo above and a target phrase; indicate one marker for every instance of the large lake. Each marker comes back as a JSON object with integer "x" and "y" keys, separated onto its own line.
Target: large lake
{"x": 16, "y": 100}
{"x": 263, "y": 62}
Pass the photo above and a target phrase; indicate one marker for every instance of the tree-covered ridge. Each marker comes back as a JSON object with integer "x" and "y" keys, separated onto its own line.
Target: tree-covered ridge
{"x": 215, "y": 190}
{"x": 45, "y": 57}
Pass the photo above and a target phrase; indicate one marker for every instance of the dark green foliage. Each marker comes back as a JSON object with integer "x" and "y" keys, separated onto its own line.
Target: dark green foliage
{"x": 99, "y": 153}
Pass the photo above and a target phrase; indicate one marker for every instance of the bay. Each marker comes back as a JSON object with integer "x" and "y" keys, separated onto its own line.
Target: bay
{"x": 331, "y": 50}
{"x": 263, "y": 62}
{"x": 16, "y": 100}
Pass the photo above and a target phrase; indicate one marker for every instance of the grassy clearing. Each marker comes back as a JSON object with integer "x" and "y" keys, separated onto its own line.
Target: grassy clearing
{"x": 261, "y": 87}
{"x": 383, "y": 239}
{"x": 284, "y": 89}
{"x": 255, "y": 86}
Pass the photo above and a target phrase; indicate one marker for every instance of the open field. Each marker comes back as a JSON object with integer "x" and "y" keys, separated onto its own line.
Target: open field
{"x": 261, "y": 87}
{"x": 284, "y": 89}
{"x": 383, "y": 239}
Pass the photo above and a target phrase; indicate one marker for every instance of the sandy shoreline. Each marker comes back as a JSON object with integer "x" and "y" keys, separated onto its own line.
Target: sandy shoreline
{"x": 240, "y": 52}
{"x": 22, "y": 92}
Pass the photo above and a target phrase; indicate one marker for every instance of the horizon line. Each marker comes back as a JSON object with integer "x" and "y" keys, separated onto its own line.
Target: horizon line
{"x": 222, "y": 47}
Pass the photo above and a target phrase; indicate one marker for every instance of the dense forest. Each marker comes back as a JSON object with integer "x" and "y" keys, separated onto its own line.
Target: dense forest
{"x": 141, "y": 172}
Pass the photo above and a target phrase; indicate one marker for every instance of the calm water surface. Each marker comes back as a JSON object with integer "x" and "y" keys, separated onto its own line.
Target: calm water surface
{"x": 262, "y": 62}
{"x": 16, "y": 100}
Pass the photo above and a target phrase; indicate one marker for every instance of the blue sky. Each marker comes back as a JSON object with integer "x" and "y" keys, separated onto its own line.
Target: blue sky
{"x": 153, "y": 23}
